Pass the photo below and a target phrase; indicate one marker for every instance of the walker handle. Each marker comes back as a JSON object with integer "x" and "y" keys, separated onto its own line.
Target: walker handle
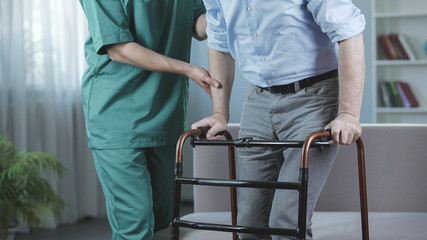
{"x": 205, "y": 131}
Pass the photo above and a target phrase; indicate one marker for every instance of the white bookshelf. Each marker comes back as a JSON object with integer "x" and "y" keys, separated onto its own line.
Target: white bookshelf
{"x": 409, "y": 19}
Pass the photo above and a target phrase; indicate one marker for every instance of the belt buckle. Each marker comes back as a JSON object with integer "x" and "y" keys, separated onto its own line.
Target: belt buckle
{"x": 297, "y": 86}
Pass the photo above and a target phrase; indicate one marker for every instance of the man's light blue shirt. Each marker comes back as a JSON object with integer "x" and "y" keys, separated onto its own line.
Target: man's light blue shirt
{"x": 278, "y": 42}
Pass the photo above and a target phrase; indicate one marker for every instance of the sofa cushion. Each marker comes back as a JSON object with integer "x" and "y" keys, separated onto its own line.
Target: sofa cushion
{"x": 382, "y": 225}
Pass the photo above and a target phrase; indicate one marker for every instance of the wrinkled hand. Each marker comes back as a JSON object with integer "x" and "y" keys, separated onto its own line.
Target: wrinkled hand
{"x": 217, "y": 122}
{"x": 203, "y": 79}
{"x": 345, "y": 129}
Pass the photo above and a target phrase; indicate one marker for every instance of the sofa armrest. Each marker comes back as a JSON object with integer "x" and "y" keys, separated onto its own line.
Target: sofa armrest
{"x": 396, "y": 169}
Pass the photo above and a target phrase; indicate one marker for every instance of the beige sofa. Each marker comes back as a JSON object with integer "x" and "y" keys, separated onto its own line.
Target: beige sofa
{"x": 396, "y": 167}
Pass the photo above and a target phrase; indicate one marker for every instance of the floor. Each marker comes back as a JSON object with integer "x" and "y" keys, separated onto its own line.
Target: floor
{"x": 87, "y": 229}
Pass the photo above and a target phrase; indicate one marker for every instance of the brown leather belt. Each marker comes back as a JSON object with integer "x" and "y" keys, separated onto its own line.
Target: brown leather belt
{"x": 301, "y": 84}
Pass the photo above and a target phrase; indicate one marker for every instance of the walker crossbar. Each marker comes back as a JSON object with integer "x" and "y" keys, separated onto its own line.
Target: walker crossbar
{"x": 240, "y": 229}
{"x": 238, "y": 183}
{"x": 249, "y": 142}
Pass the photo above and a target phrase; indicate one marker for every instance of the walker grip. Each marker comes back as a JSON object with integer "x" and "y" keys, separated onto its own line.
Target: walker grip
{"x": 205, "y": 131}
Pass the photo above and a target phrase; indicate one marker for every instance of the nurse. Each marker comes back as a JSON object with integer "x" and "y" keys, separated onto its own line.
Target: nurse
{"x": 135, "y": 103}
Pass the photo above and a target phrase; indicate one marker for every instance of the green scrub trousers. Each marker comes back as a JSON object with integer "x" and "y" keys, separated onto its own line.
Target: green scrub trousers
{"x": 139, "y": 192}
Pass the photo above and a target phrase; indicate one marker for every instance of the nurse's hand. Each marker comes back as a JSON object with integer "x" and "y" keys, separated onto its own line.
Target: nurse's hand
{"x": 203, "y": 79}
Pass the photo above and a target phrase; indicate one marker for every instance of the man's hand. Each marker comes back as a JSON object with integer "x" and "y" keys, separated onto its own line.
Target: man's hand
{"x": 345, "y": 129}
{"x": 217, "y": 122}
{"x": 203, "y": 79}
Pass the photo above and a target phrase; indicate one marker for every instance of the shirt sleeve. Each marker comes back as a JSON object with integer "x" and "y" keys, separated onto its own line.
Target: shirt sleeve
{"x": 199, "y": 9}
{"x": 339, "y": 19}
{"x": 216, "y": 27}
{"x": 107, "y": 23}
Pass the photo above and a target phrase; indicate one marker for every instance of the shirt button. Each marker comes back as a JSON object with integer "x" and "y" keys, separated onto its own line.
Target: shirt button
{"x": 249, "y": 9}
{"x": 270, "y": 81}
{"x": 255, "y": 34}
{"x": 263, "y": 59}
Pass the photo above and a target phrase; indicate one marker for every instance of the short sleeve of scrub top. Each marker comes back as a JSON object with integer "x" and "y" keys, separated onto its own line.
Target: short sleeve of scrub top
{"x": 107, "y": 23}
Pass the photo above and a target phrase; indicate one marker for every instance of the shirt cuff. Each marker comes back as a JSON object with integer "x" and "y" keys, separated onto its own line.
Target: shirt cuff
{"x": 199, "y": 12}
{"x": 349, "y": 29}
{"x": 217, "y": 41}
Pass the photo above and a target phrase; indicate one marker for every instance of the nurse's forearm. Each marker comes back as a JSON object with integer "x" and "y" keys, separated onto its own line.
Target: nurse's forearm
{"x": 139, "y": 56}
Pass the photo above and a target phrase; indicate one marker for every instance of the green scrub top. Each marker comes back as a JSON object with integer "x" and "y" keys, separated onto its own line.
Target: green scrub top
{"x": 126, "y": 106}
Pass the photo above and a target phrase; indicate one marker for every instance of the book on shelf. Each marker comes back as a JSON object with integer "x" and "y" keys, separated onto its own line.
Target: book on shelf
{"x": 401, "y": 52}
{"x": 387, "y": 47}
{"x": 396, "y": 94}
{"x": 406, "y": 47}
{"x": 395, "y": 47}
{"x": 407, "y": 92}
{"x": 385, "y": 94}
{"x": 403, "y": 95}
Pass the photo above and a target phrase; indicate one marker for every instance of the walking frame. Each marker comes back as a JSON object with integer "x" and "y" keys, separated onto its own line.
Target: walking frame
{"x": 315, "y": 140}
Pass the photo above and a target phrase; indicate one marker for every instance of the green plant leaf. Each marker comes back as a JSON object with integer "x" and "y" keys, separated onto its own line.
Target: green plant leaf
{"x": 24, "y": 191}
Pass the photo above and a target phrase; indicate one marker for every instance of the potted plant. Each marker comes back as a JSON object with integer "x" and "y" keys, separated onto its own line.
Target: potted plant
{"x": 25, "y": 195}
